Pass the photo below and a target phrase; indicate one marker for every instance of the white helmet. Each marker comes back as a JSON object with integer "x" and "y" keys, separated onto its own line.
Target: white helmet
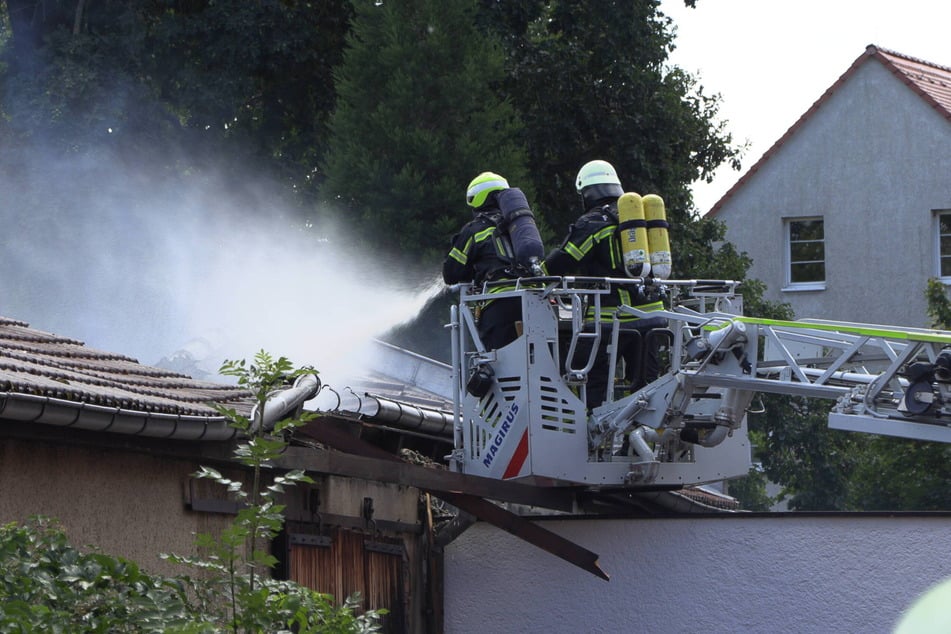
{"x": 596, "y": 173}
{"x": 598, "y": 180}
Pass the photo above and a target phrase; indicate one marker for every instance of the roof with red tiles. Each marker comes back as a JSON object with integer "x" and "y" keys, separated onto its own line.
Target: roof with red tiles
{"x": 48, "y": 365}
{"x": 930, "y": 81}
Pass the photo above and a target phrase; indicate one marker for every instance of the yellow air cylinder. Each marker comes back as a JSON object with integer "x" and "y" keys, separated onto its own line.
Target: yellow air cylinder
{"x": 633, "y": 235}
{"x": 658, "y": 239}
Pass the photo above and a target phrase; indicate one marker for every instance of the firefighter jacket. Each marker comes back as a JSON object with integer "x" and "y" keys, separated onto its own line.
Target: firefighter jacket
{"x": 592, "y": 248}
{"x": 480, "y": 252}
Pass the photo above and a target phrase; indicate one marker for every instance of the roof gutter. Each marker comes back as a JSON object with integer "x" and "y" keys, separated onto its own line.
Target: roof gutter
{"x": 382, "y": 410}
{"x": 48, "y": 410}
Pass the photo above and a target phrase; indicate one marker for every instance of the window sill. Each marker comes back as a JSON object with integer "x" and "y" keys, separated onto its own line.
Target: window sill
{"x": 798, "y": 288}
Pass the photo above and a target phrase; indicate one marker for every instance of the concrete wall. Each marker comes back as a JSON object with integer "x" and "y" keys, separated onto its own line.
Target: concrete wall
{"x": 780, "y": 573}
{"x": 873, "y": 161}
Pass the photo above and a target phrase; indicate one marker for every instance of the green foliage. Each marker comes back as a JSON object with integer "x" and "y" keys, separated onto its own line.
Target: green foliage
{"x": 824, "y": 469}
{"x": 750, "y": 491}
{"x": 419, "y": 114}
{"x": 237, "y": 559}
{"x": 251, "y": 79}
{"x": 813, "y": 464}
{"x": 196, "y": 88}
{"x": 590, "y": 80}
{"x": 939, "y": 306}
{"x": 896, "y": 474}
{"x": 903, "y": 474}
{"x": 46, "y": 585}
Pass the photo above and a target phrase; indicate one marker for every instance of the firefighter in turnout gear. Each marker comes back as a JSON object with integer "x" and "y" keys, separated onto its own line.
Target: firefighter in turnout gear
{"x": 592, "y": 248}
{"x": 501, "y": 242}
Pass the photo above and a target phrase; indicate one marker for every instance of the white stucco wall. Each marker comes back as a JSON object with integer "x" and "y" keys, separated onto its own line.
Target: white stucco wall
{"x": 791, "y": 573}
{"x": 873, "y": 161}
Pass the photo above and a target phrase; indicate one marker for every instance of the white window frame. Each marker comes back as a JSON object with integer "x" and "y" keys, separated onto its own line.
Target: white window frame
{"x": 818, "y": 285}
{"x": 937, "y": 214}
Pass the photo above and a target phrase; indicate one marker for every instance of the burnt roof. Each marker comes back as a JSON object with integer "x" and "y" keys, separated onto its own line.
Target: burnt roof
{"x": 48, "y": 365}
{"x": 930, "y": 81}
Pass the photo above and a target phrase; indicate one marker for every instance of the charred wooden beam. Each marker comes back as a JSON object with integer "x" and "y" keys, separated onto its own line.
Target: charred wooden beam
{"x": 528, "y": 531}
{"x": 364, "y": 460}
{"x": 453, "y": 529}
{"x": 465, "y": 492}
{"x": 434, "y": 480}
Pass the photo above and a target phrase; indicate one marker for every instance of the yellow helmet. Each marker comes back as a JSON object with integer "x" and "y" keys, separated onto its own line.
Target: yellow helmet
{"x": 483, "y": 185}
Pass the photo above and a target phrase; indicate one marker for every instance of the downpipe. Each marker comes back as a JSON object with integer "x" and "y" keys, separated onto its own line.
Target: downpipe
{"x": 284, "y": 403}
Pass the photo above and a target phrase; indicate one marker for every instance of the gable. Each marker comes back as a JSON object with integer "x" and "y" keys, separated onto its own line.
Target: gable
{"x": 930, "y": 82}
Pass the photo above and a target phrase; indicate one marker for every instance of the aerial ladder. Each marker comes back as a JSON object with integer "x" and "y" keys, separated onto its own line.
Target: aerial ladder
{"x": 520, "y": 411}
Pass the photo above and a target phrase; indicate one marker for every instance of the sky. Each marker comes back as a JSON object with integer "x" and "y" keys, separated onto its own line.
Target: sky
{"x": 770, "y": 60}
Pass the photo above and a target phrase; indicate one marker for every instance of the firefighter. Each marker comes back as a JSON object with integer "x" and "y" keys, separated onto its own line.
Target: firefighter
{"x": 592, "y": 248}
{"x": 501, "y": 242}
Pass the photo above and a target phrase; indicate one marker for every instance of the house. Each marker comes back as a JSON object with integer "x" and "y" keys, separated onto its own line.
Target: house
{"x": 108, "y": 446}
{"x": 848, "y": 214}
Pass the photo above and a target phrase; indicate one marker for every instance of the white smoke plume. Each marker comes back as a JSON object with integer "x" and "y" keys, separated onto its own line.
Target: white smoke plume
{"x": 121, "y": 258}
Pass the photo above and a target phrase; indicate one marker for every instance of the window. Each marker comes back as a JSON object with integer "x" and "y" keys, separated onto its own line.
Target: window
{"x": 805, "y": 254}
{"x": 943, "y": 247}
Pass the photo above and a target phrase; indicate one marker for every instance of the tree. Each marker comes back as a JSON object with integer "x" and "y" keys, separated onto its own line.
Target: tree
{"x": 419, "y": 113}
{"x": 824, "y": 469}
{"x": 750, "y": 491}
{"x": 591, "y": 80}
{"x": 190, "y": 86}
{"x": 582, "y": 91}
{"x": 252, "y": 79}
{"x": 898, "y": 474}
{"x": 50, "y": 586}
{"x": 939, "y": 307}
{"x": 904, "y": 474}
{"x": 812, "y": 463}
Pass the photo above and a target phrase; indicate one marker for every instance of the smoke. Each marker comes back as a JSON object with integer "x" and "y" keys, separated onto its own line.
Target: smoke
{"x": 130, "y": 261}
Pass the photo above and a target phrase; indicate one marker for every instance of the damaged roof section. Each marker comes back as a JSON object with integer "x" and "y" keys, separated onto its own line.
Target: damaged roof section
{"x": 405, "y": 391}
{"x": 51, "y": 379}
